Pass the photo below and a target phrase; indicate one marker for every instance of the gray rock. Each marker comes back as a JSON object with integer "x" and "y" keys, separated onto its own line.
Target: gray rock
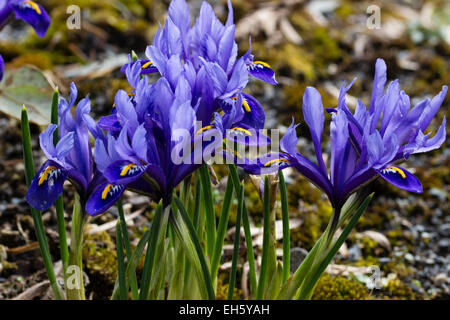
{"x": 409, "y": 257}
{"x": 440, "y": 279}
{"x": 444, "y": 243}
{"x": 297, "y": 257}
{"x": 354, "y": 253}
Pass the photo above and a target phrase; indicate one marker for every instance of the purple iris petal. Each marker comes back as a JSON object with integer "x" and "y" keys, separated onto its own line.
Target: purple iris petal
{"x": 314, "y": 118}
{"x": 46, "y": 186}
{"x": 2, "y": 67}
{"x": 123, "y": 172}
{"x": 32, "y": 13}
{"x": 401, "y": 178}
{"x": 262, "y": 71}
{"x": 103, "y": 197}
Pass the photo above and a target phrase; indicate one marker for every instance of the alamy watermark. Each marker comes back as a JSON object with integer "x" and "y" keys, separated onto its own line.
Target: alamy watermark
{"x": 374, "y": 19}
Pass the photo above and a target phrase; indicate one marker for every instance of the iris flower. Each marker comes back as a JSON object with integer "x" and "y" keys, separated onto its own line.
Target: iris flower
{"x": 70, "y": 159}
{"x": 208, "y": 51}
{"x": 200, "y": 76}
{"x": 365, "y": 145}
{"x": 138, "y": 152}
{"x": 28, "y": 11}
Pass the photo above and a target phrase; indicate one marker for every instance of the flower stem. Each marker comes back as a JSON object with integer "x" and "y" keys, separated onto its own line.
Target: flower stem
{"x": 75, "y": 286}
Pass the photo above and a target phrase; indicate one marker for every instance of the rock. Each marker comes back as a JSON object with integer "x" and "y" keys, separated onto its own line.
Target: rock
{"x": 440, "y": 279}
{"x": 409, "y": 257}
{"x": 354, "y": 253}
{"x": 297, "y": 257}
{"x": 444, "y": 229}
{"x": 384, "y": 260}
{"x": 444, "y": 243}
{"x": 438, "y": 193}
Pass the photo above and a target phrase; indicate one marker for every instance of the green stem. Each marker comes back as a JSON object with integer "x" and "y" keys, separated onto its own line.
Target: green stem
{"x": 248, "y": 237}
{"x": 129, "y": 251}
{"x": 37, "y": 218}
{"x": 150, "y": 254}
{"x": 286, "y": 233}
{"x": 75, "y": 289}
{"x": 123, "y": 288}
{"x": 221, "y": 230}
{"x": 266, "y": 240}
{"x": 209, "y": 205}
{"x": 197, "y": 246}
{"x": 236, "y": 244}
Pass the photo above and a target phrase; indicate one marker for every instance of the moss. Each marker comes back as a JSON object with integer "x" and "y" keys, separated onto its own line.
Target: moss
{"x": 375, "y": 217}
{"x": 340, "y": 288}
{"x": 398, "y": 237}
{"x": 39, "y": 59}
{"x": 398, "y": 290}
{"x": 99, "y": 256}
{"x": 222, "y": 289}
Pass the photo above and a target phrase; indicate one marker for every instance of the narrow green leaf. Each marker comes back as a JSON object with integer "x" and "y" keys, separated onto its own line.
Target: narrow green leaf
{"x": 286, "y": 233}
{"x": 236, "y": 244}
{"x": 209, "y": 205}
{"x": 266, "y": 239}
{"x": 150, "y": 255}
{"x": 121, "y": 264}
{"x": 248, "y": 237}
{"x": 126, "y": 239}
{"x": 193, "y": 238}
{"x": 221, "y": 230}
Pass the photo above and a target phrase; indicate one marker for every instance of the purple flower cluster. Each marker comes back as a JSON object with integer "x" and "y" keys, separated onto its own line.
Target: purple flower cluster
{"x": 366, "y": 144}
{"x": 199, "y": 91}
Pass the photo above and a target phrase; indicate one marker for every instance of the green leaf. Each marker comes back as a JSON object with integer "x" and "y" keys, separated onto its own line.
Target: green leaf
{"x": 188, "y": 237}
{"x": 266, "y": 238}
{"x": 26, "y": 86}
{"x": 123, "y": 288}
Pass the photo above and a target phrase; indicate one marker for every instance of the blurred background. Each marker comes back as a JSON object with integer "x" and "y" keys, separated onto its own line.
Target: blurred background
{"x": 318, "y": 43}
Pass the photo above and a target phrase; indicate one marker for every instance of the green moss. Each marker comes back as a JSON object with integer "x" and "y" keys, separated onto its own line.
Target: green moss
{"x": 222, "y": 290}
{"x": 375, "y": 217}
{"x": 99, "y": 256}
{"x": 398, "y": 290}
{"x": 340, "y": 288}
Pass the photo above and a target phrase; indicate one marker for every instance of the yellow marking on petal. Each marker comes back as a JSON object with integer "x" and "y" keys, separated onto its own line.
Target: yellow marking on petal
{"x": 263, "y": 64}
{"x": 126, "y": 169}
{"x": 203, "y": 130}
{"x": 242, "y": 130}
{"x": 244, "y": 104}
{"x": 34, "y": 6}
{"x": 106, "y": 191}
{"x": 45, "y": 174}
{"x": 146, "y": 65}
{"x": 400, "y": 171}
{"x": 131, "y": 94}
{"x": 268, "y": 164}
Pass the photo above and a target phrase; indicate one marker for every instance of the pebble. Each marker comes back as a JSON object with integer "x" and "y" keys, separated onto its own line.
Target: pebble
{"x": 441, "y": 278}
{"x": 354, "y": 253}
{"x": 409, "y": 257}
{"x": 384, "y": 260}
{"x": 297, "y": 256}
{"x": 444, "y": 243}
